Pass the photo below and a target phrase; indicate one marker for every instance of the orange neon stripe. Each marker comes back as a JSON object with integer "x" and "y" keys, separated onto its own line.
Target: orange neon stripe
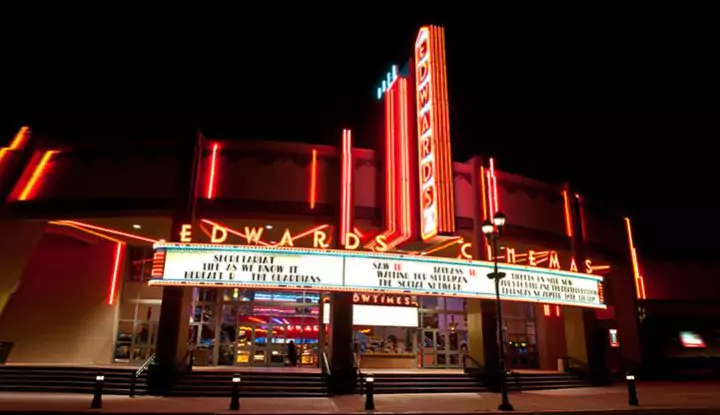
{"x": 313, "y": 178}
{"x": 115, "y": 273}
{"x": 568, "y": 217}
{"x": 211, "y": 178}
{"x": 639, "y": 286}
{"x": 19, "y": 139}
{"x": 108, "y": 230}
{"x": 88, "y": 231}
{"x": 36, "y": 175}
{"x": 546, "y": 309}
{"x": 581, "y": 215}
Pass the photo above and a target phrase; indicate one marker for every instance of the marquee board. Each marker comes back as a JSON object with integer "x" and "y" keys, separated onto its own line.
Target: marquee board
{"x": 334, "y": 270}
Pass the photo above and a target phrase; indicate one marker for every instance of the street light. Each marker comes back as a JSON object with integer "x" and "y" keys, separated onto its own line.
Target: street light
{"x": 492, "y": 231}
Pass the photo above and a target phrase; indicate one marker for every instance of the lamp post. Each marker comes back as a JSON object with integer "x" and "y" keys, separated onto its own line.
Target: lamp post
{"x": 492, "y": 231}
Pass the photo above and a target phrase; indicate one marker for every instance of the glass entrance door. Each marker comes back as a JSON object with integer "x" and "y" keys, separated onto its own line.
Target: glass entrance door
{"x": 260, "y": 345}
{"x": 442, "y": 348}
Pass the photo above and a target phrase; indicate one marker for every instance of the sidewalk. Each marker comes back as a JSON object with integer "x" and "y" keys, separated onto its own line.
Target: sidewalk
{"x": 655, "y": 398}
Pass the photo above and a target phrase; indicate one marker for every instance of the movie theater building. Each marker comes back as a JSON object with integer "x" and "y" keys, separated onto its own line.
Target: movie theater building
{"x": 113, "y": 252}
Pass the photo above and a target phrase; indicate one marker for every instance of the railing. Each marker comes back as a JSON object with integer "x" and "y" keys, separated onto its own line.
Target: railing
{"x": 136, "y": 375}
{"x": 576, "y": 367}
{"x": 470, "y": 364}
{"x": 515, "y": 376}
{"x": 325, "y": 365}
{"x": 359, "y": 374}
{"x": 326, "y": 372}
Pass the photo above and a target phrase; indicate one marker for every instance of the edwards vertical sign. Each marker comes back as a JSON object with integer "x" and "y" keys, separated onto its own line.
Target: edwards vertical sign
{"x": 299, "y": 268}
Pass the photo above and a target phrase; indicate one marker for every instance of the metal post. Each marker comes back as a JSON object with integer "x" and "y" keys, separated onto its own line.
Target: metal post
{"x": 97, "y": 392}
{"x": 505, "y": 404}
{"x": 632, "y": 391}
{"x": 369, "y": 393}
{"x": 133, "y": 381}
{"x": 235, "y": 399}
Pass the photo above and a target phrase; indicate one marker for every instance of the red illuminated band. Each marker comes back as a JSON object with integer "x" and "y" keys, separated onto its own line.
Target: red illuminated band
{"x": 398, "y": 191}
{"x": 117, "y": 267}
{"x": 211, "y": 176}
{"x": 313, "y": 179}
{"x": 346, "y": 188}
{"x": 437, "y": 210}
{"x": 568, "y": 215}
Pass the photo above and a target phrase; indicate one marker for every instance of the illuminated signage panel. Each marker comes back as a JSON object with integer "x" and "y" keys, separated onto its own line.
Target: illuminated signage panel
{"x": 437, "y": 210}
{"x": 293, "y": 268}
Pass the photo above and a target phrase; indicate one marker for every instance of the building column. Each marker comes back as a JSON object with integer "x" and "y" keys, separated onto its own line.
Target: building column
{"x": 175, "y": 310}
{"x": 482, "y": 314}
{"x": 342, "y": 363}
{"x": 581, "y": 325}
{"x": 342, "y": 360}
{"x": 550, "y": 332}
{"x": 16, "y": 247}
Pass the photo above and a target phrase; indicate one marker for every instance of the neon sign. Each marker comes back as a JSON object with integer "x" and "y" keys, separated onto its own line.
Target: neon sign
{"x": 437, "y": 211}
{"x": 546, "y": 259}
{"x": 386, "y": 83}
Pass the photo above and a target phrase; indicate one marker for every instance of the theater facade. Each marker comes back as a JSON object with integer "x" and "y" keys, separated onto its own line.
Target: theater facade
{"x": 115, "y": 252}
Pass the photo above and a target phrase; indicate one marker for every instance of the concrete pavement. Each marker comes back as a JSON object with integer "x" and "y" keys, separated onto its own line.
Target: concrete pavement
{"x": 655, "y": 398}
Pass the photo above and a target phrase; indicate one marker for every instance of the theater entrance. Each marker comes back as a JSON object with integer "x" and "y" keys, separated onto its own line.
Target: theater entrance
{"x": 267, "y": 345}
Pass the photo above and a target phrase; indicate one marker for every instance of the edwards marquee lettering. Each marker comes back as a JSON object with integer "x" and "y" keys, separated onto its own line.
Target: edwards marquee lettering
{"x": 293, "y": 268}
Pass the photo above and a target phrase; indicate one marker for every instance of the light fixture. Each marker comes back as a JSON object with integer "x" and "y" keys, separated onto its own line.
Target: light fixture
{"x": 487, "y": 227}
{"x": 137, "y": 226}
{"x": 499, "y": 219}
{"x": 268, "y": 226}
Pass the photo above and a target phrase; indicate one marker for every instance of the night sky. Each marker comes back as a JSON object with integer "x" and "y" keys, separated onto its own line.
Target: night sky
{"x": 512, "y": 80}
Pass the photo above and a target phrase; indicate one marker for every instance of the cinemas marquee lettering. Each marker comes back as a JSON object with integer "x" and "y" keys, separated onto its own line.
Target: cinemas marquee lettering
{"x": 533, "y": 258}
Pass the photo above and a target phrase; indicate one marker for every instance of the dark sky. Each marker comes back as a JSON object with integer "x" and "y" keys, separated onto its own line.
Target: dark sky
{"x": 636, "y": 135}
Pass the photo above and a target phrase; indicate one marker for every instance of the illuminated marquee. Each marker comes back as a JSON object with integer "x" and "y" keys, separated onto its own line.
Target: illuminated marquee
{"x": 437, "y": 211}
{"x": 340, "y": 270}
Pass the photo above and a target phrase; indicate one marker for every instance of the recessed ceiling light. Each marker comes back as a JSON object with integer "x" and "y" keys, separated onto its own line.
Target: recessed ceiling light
{"x": 268, "y": 226}
{"x": 136, "y": 226}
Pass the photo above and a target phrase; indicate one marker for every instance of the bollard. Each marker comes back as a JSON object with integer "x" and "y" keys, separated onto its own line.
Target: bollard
{"x": 97, "y": 392}
{"x": 632, "y": 391}
{"x": 369, "y": 393}
{"x": 235, "y": 399}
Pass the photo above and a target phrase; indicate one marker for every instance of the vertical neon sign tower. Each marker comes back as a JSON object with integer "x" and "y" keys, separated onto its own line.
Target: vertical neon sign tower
{"x": 437, "y": 207}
